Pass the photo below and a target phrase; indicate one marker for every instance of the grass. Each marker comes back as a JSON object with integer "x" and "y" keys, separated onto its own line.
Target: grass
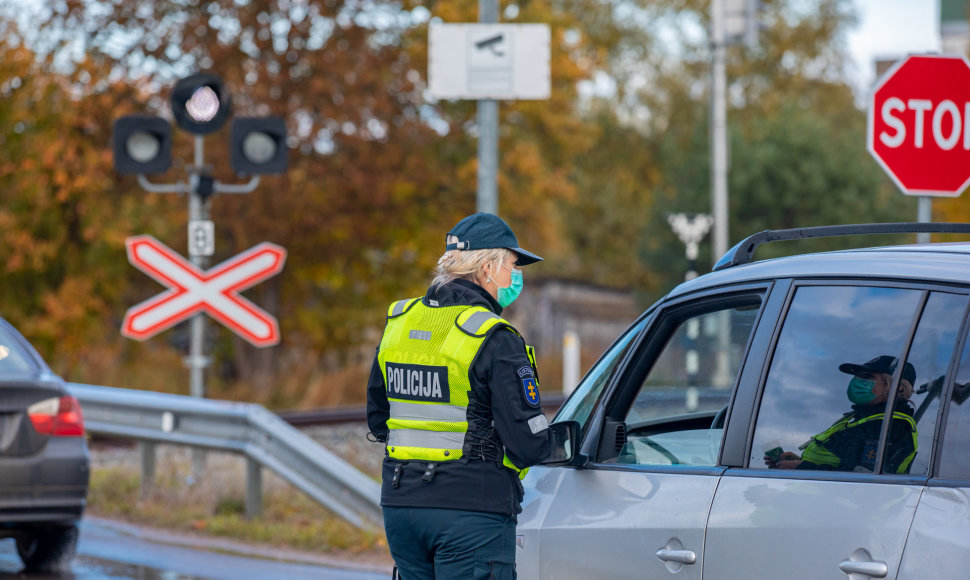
{"x": 215, "y": 505}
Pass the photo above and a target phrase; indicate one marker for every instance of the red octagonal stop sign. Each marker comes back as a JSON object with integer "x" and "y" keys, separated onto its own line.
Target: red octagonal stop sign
{"x": 919, "y": 125}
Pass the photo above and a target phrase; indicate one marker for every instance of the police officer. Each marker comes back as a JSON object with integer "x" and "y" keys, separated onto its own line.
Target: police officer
{"x": 453, "y": 392}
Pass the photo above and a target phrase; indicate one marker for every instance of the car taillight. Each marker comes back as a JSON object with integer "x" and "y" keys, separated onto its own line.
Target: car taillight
{"x": 57, "y": 416}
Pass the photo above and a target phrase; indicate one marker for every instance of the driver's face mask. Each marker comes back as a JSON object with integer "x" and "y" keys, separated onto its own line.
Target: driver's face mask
{"x": 859, "y": 390}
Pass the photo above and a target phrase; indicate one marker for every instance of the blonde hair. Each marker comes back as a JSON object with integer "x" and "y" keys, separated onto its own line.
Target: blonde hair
{"x": 905, "y": 389}
{"x": 468, "y": 265}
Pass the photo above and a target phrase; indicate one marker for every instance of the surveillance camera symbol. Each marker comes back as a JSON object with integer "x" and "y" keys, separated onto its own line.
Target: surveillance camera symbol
{"x": 491, "y": 44}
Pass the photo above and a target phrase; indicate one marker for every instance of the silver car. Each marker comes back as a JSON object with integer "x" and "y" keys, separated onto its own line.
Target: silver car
{"x": 44, "y": 461}
{"x": 728, "y": 433}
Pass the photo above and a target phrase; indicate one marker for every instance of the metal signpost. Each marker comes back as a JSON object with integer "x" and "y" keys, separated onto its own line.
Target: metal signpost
{"x": 488, "y": 48}
{"x": 919, "y": 127}
{"x": 488, "y": 62}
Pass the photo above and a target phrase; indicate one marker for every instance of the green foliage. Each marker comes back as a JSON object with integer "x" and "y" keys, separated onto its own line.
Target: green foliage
{"x": 797, "y": 152}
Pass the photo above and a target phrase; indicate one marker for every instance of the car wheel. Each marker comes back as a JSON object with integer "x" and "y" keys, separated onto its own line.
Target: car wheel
{"x": 48, "y": 549}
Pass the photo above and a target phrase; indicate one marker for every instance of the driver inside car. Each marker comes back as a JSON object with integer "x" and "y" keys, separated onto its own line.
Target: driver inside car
{"x": 851, "y": 443}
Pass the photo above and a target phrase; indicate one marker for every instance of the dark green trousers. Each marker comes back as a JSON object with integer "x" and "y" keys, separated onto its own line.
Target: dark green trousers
{"x": 429, "y": 543}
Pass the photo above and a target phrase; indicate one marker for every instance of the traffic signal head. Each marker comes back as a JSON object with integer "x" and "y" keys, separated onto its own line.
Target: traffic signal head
{"x": 258, "y": 145}
{"x": 142, "y": 144}
{"x": 200, "y": 103}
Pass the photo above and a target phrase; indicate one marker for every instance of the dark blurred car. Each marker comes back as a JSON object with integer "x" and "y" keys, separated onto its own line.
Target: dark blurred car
{"x": 44, "y": 460}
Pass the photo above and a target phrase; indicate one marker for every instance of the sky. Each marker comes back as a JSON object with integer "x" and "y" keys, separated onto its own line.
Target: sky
{"x": 891, "y": 29}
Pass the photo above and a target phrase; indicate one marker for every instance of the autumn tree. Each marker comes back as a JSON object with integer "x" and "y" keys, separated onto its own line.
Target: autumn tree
{"x": 63, "y": 219}
{"x": 378, "y": 171}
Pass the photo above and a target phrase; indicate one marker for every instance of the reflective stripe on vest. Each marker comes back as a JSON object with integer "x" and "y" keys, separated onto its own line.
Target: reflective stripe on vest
{"x": 479, "y": 322}
{"x": 814, "y": 450}
{"x": 400, "y": 307}
{"x": 418, "y": 438}
{"x": 424, "y": 412}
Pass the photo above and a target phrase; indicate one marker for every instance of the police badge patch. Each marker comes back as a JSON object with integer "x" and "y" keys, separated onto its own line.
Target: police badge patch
{"x": 530, "y": 389}
{"x": 868, "y": 458}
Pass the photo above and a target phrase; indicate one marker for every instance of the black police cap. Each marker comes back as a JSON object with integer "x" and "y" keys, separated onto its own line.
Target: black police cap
{"x": 482, "y": 231}
{"x": 881, "y": 364}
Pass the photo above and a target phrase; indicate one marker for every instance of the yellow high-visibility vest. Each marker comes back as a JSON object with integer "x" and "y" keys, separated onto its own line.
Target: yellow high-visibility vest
{"x": 426, "y": 355}
{"x": 814, "y": 450}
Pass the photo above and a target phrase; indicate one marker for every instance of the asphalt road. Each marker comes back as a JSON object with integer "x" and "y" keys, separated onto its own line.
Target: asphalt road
{"x": 112, "y": 550}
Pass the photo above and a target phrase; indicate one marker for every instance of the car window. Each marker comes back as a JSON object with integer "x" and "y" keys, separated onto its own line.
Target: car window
{"x": 688, "y": 385}
{"x": 14, "y": 360}
{"x": 930, "y": 355}
{"x": 580, "y": 403}
{"x": 827, "y": 386}
{"x": 954, "y": 458}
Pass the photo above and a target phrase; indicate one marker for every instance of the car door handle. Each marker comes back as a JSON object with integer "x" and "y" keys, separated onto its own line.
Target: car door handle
{"x": 679, "y": 556}
{"x": 873, "y": 569}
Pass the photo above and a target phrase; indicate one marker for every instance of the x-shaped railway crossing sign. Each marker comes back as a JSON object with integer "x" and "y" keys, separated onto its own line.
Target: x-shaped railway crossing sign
{"x": 214, "y": 291}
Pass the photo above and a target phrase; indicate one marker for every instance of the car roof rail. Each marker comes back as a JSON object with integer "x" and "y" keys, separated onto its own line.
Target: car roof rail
{"x": 743, "y": 252}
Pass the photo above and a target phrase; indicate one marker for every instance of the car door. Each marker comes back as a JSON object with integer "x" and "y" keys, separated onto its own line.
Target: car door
{"x": 938, "y": 545}
{"x": 848, "y": 511}
{"x": 640, "y": 506}
{"x": 542, "y": 483}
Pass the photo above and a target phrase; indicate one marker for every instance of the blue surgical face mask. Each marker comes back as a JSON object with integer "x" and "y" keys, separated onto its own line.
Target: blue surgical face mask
{"x": 508, "y": 294}
{"x": 860, "y": 391}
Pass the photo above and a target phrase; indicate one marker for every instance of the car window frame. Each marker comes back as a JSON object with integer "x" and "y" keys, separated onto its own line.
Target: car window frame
{"x": 791, "y": 286}
{"x": 944, "y": 411}
{"x": 637, "y": 364}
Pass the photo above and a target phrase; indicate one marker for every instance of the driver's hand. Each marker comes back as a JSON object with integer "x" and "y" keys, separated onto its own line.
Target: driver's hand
{"x": 787, "y": 460}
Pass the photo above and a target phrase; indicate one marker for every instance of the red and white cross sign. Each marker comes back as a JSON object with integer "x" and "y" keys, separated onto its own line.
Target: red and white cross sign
{"x": 214, "y": 291}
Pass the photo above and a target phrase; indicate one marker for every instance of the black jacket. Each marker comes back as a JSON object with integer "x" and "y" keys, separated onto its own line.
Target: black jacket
{"x": 856, "y": 446}
{"x": 498, "y": 416}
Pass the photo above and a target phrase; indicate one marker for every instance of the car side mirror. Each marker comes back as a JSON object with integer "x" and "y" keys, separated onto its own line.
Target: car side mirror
{"x": 565, "y": 443}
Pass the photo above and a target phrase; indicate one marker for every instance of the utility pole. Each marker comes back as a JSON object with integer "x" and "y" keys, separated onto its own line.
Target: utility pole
{"x": 487, "y": 198}
{"x": 719, "y": 189}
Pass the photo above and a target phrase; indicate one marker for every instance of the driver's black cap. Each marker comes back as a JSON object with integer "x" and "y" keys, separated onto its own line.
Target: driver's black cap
{"x": 482, "y": 231}
{"x": 880, "y": 364}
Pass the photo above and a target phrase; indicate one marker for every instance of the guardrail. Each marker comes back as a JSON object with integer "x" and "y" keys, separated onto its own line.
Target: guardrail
{"x": 247, "y": 429}
{"x": 358, "y": 414}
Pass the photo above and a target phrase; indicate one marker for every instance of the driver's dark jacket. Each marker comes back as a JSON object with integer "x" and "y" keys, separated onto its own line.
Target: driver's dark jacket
{"x": 856, "y": 446}
{"x": 496, "y": 406}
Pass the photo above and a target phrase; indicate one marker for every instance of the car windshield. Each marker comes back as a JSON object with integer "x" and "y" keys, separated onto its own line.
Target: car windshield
{"x": 580, "y": 403}
{"x": 14, "y": 360}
